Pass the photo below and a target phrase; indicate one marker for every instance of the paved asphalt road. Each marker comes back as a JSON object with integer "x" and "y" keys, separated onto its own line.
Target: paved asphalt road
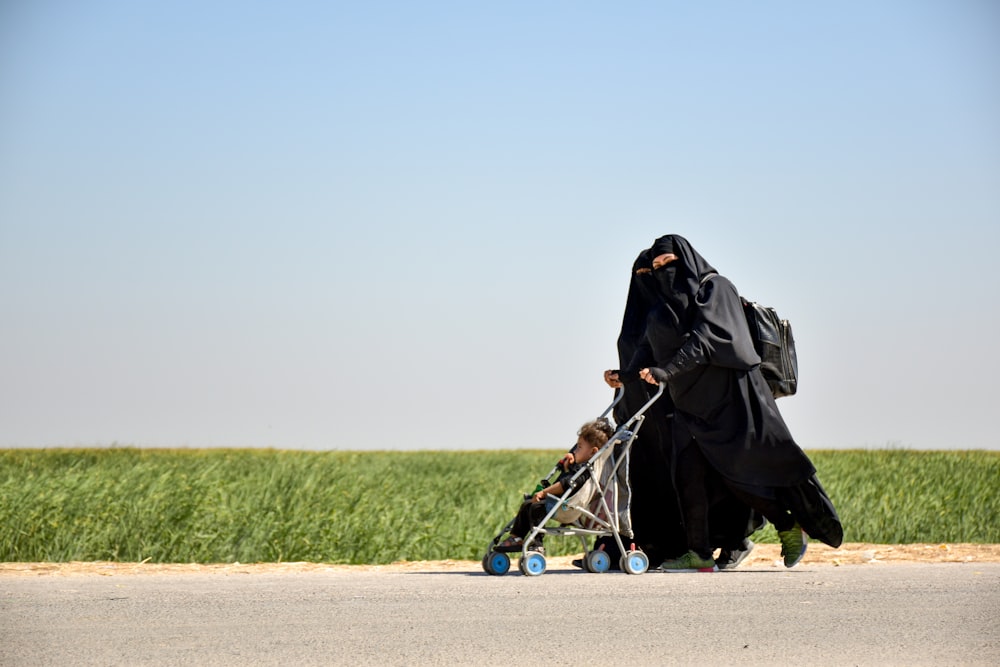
{"x": 886, "y": 614}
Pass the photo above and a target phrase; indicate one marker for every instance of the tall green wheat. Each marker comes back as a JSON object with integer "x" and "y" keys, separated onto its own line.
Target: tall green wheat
{"x": 377, "y": 507}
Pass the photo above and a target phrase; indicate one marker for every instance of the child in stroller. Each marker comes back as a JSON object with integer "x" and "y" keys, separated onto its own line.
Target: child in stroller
{"x": 590, "y": 438}
{"x": 590, "y": 498}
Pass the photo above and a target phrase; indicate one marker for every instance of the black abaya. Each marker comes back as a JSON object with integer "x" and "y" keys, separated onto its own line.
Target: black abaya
{"x": 656, "y": 516}
{"x": 698, "y": 341}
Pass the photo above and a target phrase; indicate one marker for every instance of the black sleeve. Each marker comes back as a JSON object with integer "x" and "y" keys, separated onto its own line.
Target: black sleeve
{"x": 719, "y": 334}
{"x": 565, "y": 477}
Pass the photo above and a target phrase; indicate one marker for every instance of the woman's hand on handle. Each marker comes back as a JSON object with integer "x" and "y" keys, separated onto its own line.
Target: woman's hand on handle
{"x": 654, "y": 375}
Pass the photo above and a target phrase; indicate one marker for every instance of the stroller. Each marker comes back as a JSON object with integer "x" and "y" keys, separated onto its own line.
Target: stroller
{"x": 600, "y": 508}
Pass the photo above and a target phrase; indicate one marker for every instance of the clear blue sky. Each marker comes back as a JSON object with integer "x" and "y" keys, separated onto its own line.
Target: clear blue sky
{"x": 410, "y": 225}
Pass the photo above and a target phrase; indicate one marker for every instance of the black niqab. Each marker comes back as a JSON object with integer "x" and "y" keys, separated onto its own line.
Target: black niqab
{"x": 678, "y": 281}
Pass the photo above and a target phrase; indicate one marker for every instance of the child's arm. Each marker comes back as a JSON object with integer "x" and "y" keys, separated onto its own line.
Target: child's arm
{"x": 553, "y": 490}
{"x": 567, "y": 460}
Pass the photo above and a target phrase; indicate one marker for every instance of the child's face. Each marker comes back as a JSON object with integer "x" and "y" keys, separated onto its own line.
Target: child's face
{"x": 583, "y": 450}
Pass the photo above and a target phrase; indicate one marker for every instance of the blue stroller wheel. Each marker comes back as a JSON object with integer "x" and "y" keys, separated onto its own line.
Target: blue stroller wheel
{"x": 496, "y": 563}
{"x": 533, "y": 564}
{"x": 597, "y": 561}
{"x": 635, "y": 562}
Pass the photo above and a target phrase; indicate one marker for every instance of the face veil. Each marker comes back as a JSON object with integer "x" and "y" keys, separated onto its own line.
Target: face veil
{"x": 678, "y": 282}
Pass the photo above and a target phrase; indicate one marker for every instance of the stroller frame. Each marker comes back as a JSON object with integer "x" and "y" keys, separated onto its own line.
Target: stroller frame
{"x": 603, "y": 521}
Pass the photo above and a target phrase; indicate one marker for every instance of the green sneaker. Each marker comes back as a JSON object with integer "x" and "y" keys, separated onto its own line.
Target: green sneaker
{"x": 689, "y": 562}
{"x": 793, "y": 544}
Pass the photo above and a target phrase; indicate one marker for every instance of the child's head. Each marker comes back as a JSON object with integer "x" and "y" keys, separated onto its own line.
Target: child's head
{"x": 590, "y": 438}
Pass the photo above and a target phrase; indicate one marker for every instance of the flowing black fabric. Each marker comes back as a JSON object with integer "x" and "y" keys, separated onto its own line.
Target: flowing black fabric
{"x": 809, "y": 503}
{"x": 698, "y": 335}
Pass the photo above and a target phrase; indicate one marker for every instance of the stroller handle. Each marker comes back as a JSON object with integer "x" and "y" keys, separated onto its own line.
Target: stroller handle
{"x": 619, "y": 395}
{"x": 655, "y": 397}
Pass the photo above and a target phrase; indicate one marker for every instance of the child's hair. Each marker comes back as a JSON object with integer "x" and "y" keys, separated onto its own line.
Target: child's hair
{"x": 596, "y": 432}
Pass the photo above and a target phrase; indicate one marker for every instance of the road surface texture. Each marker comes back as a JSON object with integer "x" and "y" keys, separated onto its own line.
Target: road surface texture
{"x": 874, "y": 612}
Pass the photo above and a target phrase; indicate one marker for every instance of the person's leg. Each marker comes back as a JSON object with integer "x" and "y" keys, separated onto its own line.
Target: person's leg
{"x": 689, "y": 477}
{"x": 536, "y": 514}
{"x": 522, "y": 521}
{"x": 770, "y": 508}
{"x": 793, "y": 538}
{"x": 529, "y": 515}
{"x": 731, "y": 521}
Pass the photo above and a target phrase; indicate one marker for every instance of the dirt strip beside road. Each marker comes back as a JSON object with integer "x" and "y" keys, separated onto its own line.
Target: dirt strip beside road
{"x": 763, "y": 556}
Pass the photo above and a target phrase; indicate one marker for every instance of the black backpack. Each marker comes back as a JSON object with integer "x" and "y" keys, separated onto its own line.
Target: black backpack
{"x": 773, "y": 341}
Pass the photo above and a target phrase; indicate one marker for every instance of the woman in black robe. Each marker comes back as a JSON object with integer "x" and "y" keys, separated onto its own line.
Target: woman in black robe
{"x": 725, "y": 418}
{"x": 655, "y": 509}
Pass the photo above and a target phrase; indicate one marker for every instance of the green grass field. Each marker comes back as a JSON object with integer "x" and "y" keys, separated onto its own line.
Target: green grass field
{"x": 212, "y": 506}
